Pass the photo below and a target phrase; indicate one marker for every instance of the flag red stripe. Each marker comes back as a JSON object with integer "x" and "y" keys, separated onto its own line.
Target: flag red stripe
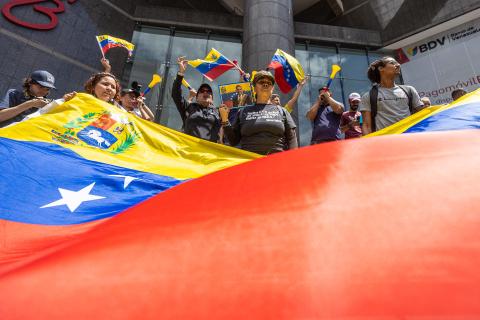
{"x": 279, "y": 78}
{"x": 218, "y": 71}
{"x": 329, "y": 249}
{"x": 23, "y": 242}
{"x": 110, "y": 46}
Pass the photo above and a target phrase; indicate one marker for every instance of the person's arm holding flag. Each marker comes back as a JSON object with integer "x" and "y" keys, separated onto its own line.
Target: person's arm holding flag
{"x": 107, "y": 68}
{"x": 192, "y": 93}
{"x": 145, "y": 111}
{"x": 291, "y": 103}
{"x": 177, "y": 88}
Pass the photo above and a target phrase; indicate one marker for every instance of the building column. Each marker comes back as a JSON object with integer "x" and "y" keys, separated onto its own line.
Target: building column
{"x": 267, "y": 25}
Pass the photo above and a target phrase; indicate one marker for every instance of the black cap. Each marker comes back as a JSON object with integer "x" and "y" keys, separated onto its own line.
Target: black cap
{"x": 135, "y": 88}
{"x": 43, "y": 78}
{"x": 205, "y": 85}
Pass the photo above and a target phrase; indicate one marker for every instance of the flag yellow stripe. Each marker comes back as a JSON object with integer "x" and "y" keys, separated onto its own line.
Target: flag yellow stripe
{"x": 159, "y": 150}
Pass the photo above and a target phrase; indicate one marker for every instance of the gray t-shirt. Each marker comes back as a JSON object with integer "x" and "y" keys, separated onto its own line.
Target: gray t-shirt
{"x": 392, "y": 105}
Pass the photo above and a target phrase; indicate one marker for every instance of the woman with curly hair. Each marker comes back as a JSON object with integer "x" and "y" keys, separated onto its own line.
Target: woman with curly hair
{"x": 103, "y": 86}
{"x": 387, "y": 103}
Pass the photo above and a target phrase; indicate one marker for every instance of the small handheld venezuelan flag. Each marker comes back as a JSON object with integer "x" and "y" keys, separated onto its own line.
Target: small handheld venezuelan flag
{"x": 107, "y": 42}
{"x": 155, "y": 80}
{"x": 288, "y": 71}
{"x": 214, "y": 65}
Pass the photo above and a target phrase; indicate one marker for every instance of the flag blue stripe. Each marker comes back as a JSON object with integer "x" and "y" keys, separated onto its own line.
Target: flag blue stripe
{"x": 33, "y": 172}
{"x": 465, "y": 116}
{"x": 208, "y": 66}
{"x": 103, "y": 43}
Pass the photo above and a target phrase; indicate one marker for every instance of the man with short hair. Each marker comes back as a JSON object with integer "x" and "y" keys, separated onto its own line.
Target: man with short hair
{"x": 325, "y": 115}
{"x": 200, "y": 118}
{"x": 350, "y": 121}
{"x": 16, "y": 104}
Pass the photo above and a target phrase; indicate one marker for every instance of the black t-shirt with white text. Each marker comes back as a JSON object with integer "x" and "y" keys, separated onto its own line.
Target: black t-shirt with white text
{"x": 261, "y": 128}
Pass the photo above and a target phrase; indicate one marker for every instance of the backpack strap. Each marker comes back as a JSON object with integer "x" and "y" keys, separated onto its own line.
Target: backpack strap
{"x": 408, "y": 92}
{"x": 373, "y": 106}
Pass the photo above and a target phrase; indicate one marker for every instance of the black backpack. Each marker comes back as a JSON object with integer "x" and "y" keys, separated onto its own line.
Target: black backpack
{"x": 374, "y": 101}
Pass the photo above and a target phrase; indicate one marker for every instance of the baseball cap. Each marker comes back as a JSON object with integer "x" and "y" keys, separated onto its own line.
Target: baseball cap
{"x": 135, "y": 89}
{"x": 43, "y": 78}
{"x": 263, "y": 74}
{"x": 354, "y": 97}
{"x": 205, "y": 85}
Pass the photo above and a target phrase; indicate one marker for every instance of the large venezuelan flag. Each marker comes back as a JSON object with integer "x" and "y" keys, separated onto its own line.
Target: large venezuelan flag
{"x": 213, "y": 66}
{"x": 458, "y": 115}
{"x": 381, "y": 228}
{"x": 83, "y": 162}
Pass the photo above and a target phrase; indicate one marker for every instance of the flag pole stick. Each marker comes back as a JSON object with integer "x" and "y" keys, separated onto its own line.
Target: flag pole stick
{"x": 234, "y": 64}
{"x": 100, "y": 46}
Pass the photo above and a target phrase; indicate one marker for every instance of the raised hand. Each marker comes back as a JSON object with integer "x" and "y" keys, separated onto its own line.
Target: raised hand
{"x": 224, "y": 111}
{"x": 182, "y": 64}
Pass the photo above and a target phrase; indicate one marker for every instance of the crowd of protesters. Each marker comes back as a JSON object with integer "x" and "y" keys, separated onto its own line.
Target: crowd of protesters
{"x": 262, "y": 125}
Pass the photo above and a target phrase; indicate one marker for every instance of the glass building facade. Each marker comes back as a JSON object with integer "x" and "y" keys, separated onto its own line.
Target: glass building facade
{"x": 157, "y": 50}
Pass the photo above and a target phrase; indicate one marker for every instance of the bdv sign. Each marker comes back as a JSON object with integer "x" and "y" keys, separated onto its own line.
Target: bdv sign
{"x": 430, "y": 45}
{"x": 50, "y": 12}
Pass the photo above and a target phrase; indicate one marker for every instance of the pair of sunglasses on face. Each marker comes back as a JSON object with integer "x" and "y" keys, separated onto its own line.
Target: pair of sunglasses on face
{"x": 205, "y": 91}
{"x": 265, "y": 83}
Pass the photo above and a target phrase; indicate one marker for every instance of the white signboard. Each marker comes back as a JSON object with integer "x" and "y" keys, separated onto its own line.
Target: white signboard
{"x": 438, "y": 65}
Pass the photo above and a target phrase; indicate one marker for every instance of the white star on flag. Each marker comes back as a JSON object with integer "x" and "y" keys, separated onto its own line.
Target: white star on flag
{"x": 127, "y": 180}
{"x": 73, "y": 199}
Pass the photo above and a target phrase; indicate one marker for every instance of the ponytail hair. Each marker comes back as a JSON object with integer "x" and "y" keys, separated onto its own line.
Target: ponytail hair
{"x": 373, "y": 71}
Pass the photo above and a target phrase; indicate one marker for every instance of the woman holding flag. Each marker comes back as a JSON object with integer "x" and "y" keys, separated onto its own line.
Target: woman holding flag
{"x": 200, "y": 118}
{"x": 102, "y": 85}
{"x": 262, "y": 128}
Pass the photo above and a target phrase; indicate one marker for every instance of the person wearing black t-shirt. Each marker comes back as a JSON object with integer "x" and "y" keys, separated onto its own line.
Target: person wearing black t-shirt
{"x": 262, "y": 128}
{"x": 200, "y": 118}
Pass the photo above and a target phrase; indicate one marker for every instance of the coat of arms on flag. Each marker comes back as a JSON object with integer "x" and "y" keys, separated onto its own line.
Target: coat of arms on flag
{"x": 109, "y": 131}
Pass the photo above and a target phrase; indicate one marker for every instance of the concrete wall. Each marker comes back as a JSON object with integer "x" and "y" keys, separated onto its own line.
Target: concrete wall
{"x": 69, "y": 51}
{"x": 334, "y": 34}
{"x": 267, "y": 25}
{"x": 201, "y": 20}
{"x": 397, "y": 19}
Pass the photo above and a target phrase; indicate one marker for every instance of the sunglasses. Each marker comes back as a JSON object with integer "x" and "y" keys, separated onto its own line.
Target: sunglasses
{"x": 205, "y": 91}
{"x": 268, "y": 83}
